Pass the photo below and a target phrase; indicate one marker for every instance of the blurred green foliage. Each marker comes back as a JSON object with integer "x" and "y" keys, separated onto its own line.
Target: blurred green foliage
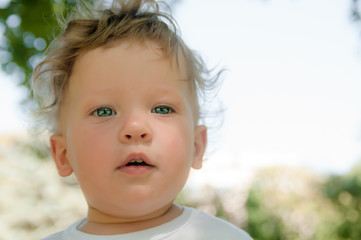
{"x": 355, "y": 10}
{"x": 345, "y": 194}
{"x": 262, "y": 224}
{"x": 28, "y": 27}
{"x": 293, "y": 204}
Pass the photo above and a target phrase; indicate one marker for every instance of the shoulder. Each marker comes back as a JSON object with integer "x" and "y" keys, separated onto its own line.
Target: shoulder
{"x": 55, "y": 236}
{"x": 67, "y": 234}
{"x": 210, "y": 227}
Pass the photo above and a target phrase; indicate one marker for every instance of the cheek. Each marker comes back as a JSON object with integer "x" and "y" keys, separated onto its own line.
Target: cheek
{"x": 177, "y": 141}
{"x": 88, "y": 149}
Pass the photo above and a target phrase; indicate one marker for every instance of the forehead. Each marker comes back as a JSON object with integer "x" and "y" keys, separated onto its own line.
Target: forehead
{"x": 129, "y": 57}
{"x": 132, "y": 64}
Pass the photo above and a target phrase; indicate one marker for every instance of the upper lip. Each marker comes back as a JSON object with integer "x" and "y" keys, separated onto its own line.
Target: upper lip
{"x": 135, "y": 156}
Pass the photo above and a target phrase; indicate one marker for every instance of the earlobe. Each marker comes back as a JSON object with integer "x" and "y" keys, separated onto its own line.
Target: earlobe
{"x": 58, "y": 152}
{"x": 200, "y": 143}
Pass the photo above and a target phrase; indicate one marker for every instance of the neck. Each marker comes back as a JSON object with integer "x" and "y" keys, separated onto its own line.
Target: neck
{"x": 96, "y": 216}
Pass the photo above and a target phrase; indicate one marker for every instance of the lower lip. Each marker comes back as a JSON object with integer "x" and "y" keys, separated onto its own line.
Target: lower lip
{"x": 135, "y": 170}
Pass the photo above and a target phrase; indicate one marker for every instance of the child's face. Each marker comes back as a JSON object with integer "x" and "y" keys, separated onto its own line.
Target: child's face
{"x": 123, "y": 104}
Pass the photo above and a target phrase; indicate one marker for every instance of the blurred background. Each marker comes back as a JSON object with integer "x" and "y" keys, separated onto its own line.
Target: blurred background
{"x": 285, "y": 164}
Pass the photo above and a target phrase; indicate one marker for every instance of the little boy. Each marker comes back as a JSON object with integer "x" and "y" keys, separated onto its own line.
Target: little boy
{"x": 120, "y": 91}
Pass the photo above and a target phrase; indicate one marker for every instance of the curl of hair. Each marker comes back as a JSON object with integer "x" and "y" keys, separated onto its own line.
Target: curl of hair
{"x": 94, "y": 25}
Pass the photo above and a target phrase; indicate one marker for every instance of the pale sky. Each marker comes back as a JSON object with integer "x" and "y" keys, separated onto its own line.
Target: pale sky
{"x": 292, "y": 91}
{"x": 294, "y": 80}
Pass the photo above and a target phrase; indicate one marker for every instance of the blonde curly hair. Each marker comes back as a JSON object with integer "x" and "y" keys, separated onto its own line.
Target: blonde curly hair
{"x": 100, "y": 25}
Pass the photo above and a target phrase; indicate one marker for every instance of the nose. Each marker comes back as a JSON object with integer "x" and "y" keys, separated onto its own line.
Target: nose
{"x": 135, "y": 130}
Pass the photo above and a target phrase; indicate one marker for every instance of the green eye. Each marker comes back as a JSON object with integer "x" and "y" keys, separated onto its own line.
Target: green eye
{"x": 162, "y": 110}
{"x": 103, "y": 112}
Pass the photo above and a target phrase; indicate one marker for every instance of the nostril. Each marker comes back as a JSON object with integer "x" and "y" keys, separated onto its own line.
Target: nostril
{"x": 135, "y": 137}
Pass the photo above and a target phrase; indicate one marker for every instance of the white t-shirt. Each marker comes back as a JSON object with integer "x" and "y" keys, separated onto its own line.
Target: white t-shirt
{"x": 190, "y": 225}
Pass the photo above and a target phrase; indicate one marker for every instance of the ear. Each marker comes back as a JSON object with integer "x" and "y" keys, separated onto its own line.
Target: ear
{"x": 200, "y": 143}
{"x": 59, "y": 154}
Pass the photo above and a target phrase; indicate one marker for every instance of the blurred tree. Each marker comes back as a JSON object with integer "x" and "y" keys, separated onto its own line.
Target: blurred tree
{"x": 355, "y": 10}
{"x": 27, "y": 28}
{"x": 292, "y": 204}
{"x": 262, "y": 224}
{"x": 287, "y": 203}
{"x": 345, "y": 194}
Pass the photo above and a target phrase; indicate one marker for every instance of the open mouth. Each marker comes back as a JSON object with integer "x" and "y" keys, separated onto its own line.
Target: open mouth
{"x": 137, "y": 162}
